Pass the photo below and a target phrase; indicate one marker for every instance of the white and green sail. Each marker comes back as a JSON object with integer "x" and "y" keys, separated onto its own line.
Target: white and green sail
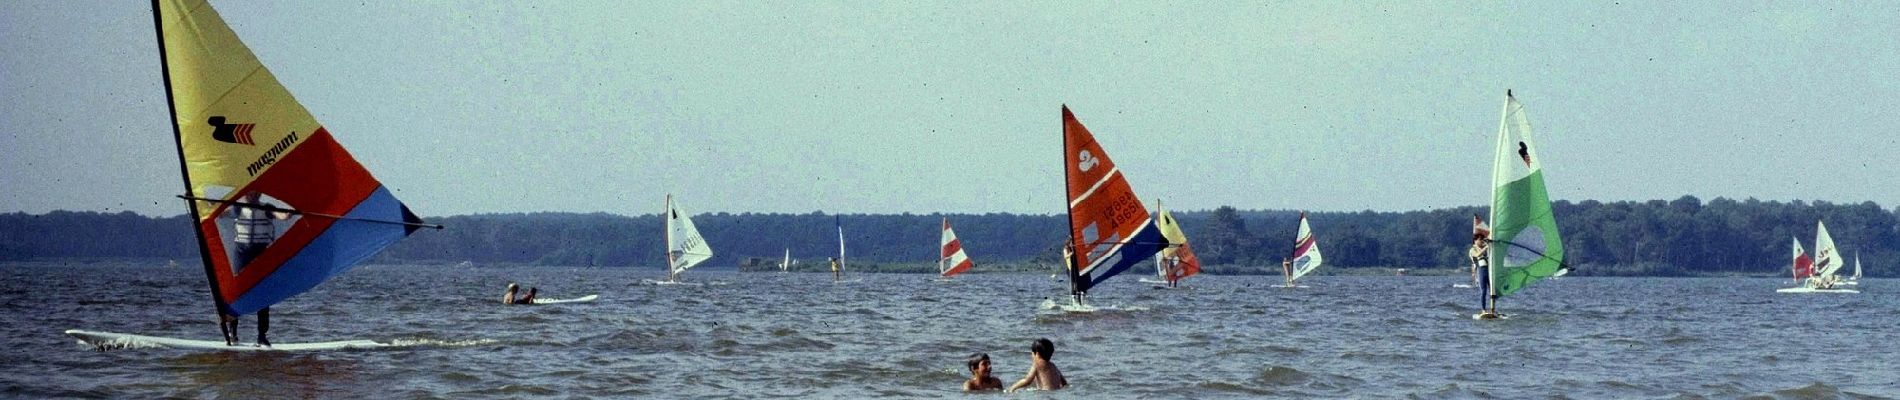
{"x": 1526, "y": 245}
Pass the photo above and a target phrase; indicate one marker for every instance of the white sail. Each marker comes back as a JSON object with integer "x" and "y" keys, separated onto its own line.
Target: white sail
{"x": 684, "y": 247}
{"x": 1827, "y": 259}
{"x": 786, "y": 264}
{"x": 1856, "y": 276}
{"x": 839, "y": 220}
{"x": 1306, "y": 257}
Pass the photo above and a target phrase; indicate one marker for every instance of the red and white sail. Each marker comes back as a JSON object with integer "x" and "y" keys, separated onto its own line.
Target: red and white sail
{"x": 952, "y": 260}
{"x": 1306, "y": 256}
{"x": 1803, "y": 266}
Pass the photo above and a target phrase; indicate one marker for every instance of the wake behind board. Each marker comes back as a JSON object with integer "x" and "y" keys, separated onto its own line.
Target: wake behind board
{"x": 1813, "y": 290}
{"x": 1462, "y": 286}
{"x": 115, "y": 341}
{"x": 1483, "y": 316}
{"x": 582, "y": 299}
{"x": 679, "y": 283}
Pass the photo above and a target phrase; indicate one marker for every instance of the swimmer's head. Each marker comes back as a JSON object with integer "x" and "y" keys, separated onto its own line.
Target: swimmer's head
{"x": 979, "y": 363}
{"x": 1043, "y": 348}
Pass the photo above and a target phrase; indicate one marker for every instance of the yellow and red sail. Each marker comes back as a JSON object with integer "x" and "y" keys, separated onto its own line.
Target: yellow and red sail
{"x": 239, "y": 133}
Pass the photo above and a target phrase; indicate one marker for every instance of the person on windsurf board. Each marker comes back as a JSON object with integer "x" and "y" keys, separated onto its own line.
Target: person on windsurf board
{"x": 254, "y": 231}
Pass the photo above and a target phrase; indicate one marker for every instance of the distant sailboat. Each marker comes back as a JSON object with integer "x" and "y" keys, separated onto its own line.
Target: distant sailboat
{"x": 278, "y": 206}
{"x": 786, "y": 264}
{"x": 837, "y": 276}
{"x": 951, "y": 260}
{"x": 1525, "y": 246}
{"x": 1176, "y": 261}
{"x": 1821, "y": 276}
{"x": 1109, "y": 230}
{"x": 1803, "y": 266}
{"x": 1306, "y": 256}
{"x": 684, "y": 247}
{"x": 1854, "y": 280}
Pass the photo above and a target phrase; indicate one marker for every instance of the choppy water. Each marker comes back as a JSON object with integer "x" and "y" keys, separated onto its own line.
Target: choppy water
{"x": 770, "y": 335}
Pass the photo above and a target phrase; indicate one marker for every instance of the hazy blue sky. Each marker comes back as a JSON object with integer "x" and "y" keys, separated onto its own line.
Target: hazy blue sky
{"x": 954, "y": 106}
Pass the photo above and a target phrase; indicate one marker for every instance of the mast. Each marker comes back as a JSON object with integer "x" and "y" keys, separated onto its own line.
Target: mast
{"x": 1294, "y": 253}
{"x": 1161, "y": 268}
{"x": 184, "y": 171}
{"x": 668, "y": 215}
{"x": 839, "y": 221}
{"x": 940, "y": 256}
{"x": 1068, "y": 262}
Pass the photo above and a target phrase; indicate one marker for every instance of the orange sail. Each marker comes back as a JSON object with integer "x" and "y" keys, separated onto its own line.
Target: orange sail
{"x": 1109, "y": 229}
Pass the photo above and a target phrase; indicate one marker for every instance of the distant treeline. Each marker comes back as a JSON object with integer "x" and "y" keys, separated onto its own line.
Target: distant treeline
{"x": 1668, "y": 238}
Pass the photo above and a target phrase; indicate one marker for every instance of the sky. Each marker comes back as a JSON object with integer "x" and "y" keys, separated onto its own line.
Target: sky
{"x": 922, "y": 107}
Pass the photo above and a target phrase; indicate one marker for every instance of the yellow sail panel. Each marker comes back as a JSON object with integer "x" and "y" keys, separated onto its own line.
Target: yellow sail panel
{"x": 234, "y": 120}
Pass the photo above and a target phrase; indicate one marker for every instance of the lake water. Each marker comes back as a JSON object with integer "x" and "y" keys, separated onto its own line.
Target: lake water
{"x": 776, "y": 335}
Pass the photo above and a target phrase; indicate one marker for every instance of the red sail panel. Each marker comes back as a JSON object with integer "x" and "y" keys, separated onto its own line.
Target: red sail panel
{"x": 1185, "y": 263}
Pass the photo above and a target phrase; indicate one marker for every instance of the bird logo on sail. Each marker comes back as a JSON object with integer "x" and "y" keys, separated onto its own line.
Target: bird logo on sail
{"x": 231, "y": 133}
{"x": 1087, "y": 160}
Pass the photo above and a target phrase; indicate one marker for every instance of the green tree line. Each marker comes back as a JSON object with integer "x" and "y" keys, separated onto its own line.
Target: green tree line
{"x": 1678, "y": 237}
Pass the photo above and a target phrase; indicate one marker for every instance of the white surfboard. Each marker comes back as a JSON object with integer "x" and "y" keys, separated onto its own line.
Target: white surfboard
{"x": 114, "y": 341}
{"x": 582, "y": 299}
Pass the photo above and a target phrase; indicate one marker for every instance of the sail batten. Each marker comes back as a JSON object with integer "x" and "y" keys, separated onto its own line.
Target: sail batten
{"x": 279, "y": 205}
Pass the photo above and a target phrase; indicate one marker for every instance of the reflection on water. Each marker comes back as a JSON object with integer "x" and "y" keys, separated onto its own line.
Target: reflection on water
{"x": 245, "y": 375}
{"x": 800, "y": 336}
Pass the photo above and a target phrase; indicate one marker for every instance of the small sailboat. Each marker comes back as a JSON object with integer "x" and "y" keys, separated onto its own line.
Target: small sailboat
{"x": 837, "y": 270}
{"x": 1821, "y": 276}
{"x": 1855, "y": 279}
{"x": 1305, "y": 256}
{"x": 785, "y": 265}
{"x": 278, "y": 206}
{"x": 684, "y": 247}
{"x": 951, "y": 260}
{"x": 1176, "y": 261}
{"x": 1525, "y": 246}
{"x": 1109, "y": 230}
